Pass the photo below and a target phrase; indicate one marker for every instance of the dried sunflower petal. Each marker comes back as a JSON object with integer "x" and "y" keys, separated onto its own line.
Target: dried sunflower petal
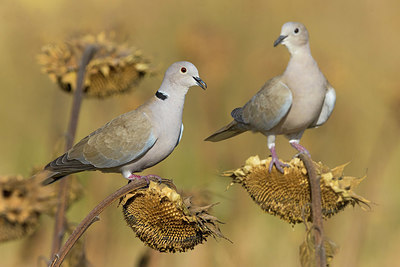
{"x": 115, "y": 68}
{"x": 165, "y": 221}
{"x": 288, "y": 195}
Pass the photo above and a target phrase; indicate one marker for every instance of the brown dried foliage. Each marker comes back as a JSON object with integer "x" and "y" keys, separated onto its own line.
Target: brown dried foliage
{"x": 22, "y": 201}
{"x": 114, "y": 69}
{"x": 307, "y": 250}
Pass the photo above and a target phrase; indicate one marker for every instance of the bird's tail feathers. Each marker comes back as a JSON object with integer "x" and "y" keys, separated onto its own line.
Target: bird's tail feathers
{"x": 49, "y": 177}
{"x": 228, "y": 131}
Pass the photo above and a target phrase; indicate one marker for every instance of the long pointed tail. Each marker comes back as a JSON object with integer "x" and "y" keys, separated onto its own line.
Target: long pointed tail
{"x": 49, "y": 177}
{"x": 230, "y": 130}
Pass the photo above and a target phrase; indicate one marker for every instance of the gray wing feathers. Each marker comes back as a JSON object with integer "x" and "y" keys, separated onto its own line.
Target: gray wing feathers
{"x": 269, "y": 106}
{"x": 120, "y": 141}
{"x": 237, "y": 115}
{"x": 264, "y": 111}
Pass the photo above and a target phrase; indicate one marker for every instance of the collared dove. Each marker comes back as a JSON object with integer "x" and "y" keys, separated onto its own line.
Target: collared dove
{"x": 288, "y": 104}
{"x": 136, "y": 140}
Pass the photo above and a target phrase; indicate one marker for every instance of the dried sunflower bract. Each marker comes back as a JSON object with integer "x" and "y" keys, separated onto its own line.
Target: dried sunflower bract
{"x": 115, "y": 68}
{"x": 165, "y": 221}
{"x": 288, "y": 195}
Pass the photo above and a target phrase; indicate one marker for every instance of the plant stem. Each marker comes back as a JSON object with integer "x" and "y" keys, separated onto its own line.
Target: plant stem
{"x": 316, "y": 208}
{"x": 60, "y": 221}
{"x": 93, "y": 216}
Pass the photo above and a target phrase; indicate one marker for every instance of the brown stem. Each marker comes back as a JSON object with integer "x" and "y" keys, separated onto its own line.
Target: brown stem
{"x": 59, "y": 226}
{"x": 316, "y": 207}
{"x": 92, "y": 216}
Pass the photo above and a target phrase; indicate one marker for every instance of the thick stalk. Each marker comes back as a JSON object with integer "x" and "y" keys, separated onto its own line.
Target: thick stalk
{"x": 60, "y": 222}
{"x": 316, "y": 209}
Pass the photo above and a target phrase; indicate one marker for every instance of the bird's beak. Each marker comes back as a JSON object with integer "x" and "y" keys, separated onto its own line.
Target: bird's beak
{"x": 280, "y": 39}
{"x": 200, "y": 82}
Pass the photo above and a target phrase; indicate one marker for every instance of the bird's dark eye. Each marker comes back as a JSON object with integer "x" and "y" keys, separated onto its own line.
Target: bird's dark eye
{"x": 296, "y": 30}
{"x": 183, "y": 70}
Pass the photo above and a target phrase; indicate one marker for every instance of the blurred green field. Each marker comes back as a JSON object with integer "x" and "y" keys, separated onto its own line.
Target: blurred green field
{"x": 231, "y": 42}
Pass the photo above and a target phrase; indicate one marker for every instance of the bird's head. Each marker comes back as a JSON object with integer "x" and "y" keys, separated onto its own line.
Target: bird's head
{"x": 293, "y": 35}
{"x": 184, "y": 74}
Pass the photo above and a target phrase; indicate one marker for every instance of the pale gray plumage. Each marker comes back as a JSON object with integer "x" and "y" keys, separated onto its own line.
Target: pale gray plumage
{"x": 135, "y": 140}
{"x": 288, "y": 104}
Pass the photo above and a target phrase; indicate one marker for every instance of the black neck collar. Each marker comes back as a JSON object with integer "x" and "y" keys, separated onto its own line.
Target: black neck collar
{"x": 161, "y": 95}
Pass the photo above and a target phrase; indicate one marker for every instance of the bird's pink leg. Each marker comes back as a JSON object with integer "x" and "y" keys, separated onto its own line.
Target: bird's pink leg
{"x": 275, "y": 161}
{"x": 300, "y": 148}
{"x": 135, "y": 176}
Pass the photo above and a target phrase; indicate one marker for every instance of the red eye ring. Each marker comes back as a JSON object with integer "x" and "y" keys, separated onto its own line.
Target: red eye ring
{"x": 183, "y": 70}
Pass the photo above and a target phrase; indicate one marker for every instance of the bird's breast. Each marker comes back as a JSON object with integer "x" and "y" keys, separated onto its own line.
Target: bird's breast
{"x": 308, "y": 92}
{"x": 166, "y": 128}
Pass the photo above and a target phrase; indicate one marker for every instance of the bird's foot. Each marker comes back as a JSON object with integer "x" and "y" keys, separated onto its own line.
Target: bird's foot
{"x": 133, "y": 177}
{"x": 275, "y": 161}
{"x": 155, "y": 176}
{"x": 147, "y": 177}
{"x": 279, "y": 165}
{"x": 300, "y": 148}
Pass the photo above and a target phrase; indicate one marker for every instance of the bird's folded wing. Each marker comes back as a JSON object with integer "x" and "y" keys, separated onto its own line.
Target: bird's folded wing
{"x": 122, "y": 140}
{"x": 327, "y": 107}
{"x": 268, "y": 107}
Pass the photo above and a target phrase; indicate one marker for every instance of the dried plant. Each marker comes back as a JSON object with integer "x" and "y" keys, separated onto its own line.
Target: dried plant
{"x": 307, "y": 249}
{"x": 165, "y": 221}
{"x": 115, "y": 68}
{"x": 154, "y": 211}
{"x": 288, "y": 195}
{"x": 22, "y": 201}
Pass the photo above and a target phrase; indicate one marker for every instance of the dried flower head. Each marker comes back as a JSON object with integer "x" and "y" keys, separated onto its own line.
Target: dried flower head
{"x": 165, "y": 221}
{"x": 114, "y": 68}
{"x": 22, "y": 201}
{"x": 288, "y": 195}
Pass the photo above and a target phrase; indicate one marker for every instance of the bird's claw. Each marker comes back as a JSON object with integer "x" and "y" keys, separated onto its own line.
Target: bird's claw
{"x": 133, "y": 177}
{"x": 278, "y": 165}
{"x": 146, "y": 177}
{"x": 155, "y": 176}
{"x": 301, "y": 149}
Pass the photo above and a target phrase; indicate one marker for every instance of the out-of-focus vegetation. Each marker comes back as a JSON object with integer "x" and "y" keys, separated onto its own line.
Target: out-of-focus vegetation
{"x": 355, "y": 44}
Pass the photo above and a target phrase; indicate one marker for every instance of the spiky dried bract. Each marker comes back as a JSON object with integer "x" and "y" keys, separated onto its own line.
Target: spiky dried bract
{"x": 165, "y": 221}
{"x": 22, "y": 201}
{"x": 288, "y": 195}
{"x": 115, "y": 68}
{"x": 307, "y": 250}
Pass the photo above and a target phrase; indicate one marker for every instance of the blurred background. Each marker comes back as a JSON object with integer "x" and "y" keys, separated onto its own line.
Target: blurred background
{"x": 231, "y": 42}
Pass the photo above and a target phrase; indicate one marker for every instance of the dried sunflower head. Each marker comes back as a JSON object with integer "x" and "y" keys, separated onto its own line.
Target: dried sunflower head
{"x": 288, "y": 195}
{"x": 114, "y": 69}
{"x": 165, "y": 221}
{"x": 22, "y": 201}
